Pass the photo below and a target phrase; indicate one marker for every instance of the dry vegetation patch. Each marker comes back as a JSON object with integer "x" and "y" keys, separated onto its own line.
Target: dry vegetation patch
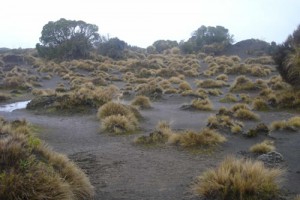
{"x": 30, "y": 170}
{"x": 239, "y": 179}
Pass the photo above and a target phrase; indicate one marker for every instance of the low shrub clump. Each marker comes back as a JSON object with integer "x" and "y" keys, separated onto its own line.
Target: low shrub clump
{"x": 229, "y": 98}
{"x": 260, "y": 104}
{"x": 292, "y": 124}
{"x": 210, "y": 83}
{"x": 242, "y": 111}
{"x": 4, "y": 97}
{"x": 163, "y": 134}
{"x": 160, "y": 135}
{"x": 142, "y": 102}
{"x": 30, "y": 170}
{"x": 224, "y": 123}
{"x": 118, "y": 118}
{"x": 206, "y": 137}
{"x": 242, "y": 83}
{"x": 202, "y": 104}
{"x": 239, "y": 179}
{"x": 263, "y": 147}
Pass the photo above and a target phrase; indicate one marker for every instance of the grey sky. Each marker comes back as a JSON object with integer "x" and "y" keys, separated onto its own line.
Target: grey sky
{"x": 140, "y": 22}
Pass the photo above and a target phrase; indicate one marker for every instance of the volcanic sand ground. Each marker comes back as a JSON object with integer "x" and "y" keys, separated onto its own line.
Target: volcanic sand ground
{"x": 120, "y": 169}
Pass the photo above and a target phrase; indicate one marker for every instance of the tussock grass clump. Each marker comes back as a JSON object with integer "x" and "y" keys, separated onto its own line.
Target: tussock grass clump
{"x": 264, "y": 60}
{"x": 184, "y": 85}
{"x": 229, "y": 98}
{"x": 161, "y": 135}
{"x": 202, "y": 104}
{"x": 292, "y": 124}
{"x": 245, "y": 114}
{"x": 242, "y": 111}
{"x": 210, "y": 83}
{"x": 206, "y": 137}
{"x": 259, "y": 129}
{"x": 30, "y": 170}
{"x": 118, "y": 118}
{"x": 260, "y": 104}
{"x": 142, "y": 102}
{"x": 243, "y": 83}
{"x": 151, "y": 89}
{"x": 260, "y": 71}
{"x": 115, "y": 108}
{"x": 263, "y": 147}
{"x": 239, "y": 179}
{"x": 224, "y": 122}
{"x": 120, "y": 124}
{"x": 222, "y": 77}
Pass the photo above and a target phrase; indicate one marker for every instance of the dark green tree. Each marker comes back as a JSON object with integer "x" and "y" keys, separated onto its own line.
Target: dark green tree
{"x": 67, "y": 39}
{"x": 161, "y": 45}
{"x": 113, "y": 48}
{"x": 205, "y": 36}
{"x": 287, "y": 58}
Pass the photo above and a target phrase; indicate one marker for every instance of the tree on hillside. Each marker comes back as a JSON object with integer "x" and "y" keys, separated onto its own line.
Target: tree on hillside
{"x": 287, "y": 58}
{"x": 67, "y": 39}
{"x": 113, "y": 48}
{"x": 207, "y": 38}
{"x": 161, "y": 45}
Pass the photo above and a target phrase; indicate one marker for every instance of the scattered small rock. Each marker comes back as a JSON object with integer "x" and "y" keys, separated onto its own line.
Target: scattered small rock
{"x": 271, "y": 159}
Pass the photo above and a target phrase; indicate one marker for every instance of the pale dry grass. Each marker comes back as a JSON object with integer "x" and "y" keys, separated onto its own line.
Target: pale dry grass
{"x": 239, "y": 179}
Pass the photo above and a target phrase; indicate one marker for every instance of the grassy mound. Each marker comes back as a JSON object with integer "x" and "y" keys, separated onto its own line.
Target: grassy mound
{"x": 118, "y": 118}
{"x": 239, "y": 179}
{"x": 30, "y": 170}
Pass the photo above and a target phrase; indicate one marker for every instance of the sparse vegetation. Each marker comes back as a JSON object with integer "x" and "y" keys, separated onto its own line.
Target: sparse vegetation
{"x": 30, "y": 170}
{"x": 263, "y": 147}
{"x": 142, "y": 102}
{"x": 292, "y": 124}
{"x": 239, "y": 179}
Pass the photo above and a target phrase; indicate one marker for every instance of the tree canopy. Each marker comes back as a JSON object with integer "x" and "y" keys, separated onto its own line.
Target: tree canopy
{"x": 205, "y": 36}
{"x": 287, "y": 58}
{"x": 67, "y": 39}
{"x": 113, "y": 48}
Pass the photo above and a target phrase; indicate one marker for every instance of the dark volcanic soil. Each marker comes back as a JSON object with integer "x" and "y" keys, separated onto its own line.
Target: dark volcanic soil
{"x": 120, "y": 169}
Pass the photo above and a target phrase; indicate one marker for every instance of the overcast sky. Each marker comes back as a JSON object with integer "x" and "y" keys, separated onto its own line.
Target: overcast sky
{"x": 141, "y": 22}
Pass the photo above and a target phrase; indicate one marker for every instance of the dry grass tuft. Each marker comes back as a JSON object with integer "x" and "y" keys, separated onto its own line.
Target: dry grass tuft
{"x": 30, "y": 170}
{"x": 229, "y": 98}
{"x": 202, "y": 104}
{"x": 292, "y": 124}
{"x": 239, "y": 179}
{"x": 206, "y": 137}
{"x": 242, "y": 83}
{"x": 245, "y": 114}
{"x": 142, "y": 102}
{"x": 118, "y": 118}
{"x": 263, "y": 147}
{"x": 260, "y": 104}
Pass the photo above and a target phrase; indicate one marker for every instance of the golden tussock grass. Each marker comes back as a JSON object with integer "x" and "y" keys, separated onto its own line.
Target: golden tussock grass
{"x": 229, "y": 98}
{"x": 260, "y": 104}
{"x": 184, "y": 85}
{"x": 120, "y": 124}
{"x": 202, "y": 104}
{"x": 206, "y": 137}
{"x": 239, "y": 179}
{"x": 142, "y": 102}
{"x": 245, "y": 114}
{"x": 210, "y": 83}
{"x": 292, "y": 124}
{"x": 263, "y": 147}
{"x": 30, "y": 170}
{"x": 222, "y": 77}
{"x": 118, "y": 118}
{"x": 243, "y": 83}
